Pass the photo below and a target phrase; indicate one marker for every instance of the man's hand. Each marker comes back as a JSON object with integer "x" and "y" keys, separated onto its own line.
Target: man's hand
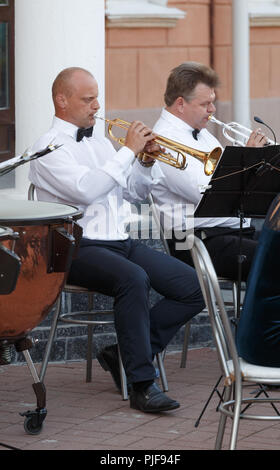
{"x": 150, "y": 148}
{"x": 257, "y": 139}
{"x": 138, "y": 136}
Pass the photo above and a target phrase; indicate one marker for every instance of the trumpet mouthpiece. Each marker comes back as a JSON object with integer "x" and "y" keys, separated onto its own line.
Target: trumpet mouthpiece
{"x": 102, "y": 118}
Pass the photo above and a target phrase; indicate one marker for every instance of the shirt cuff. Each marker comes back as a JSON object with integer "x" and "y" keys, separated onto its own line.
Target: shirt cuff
{"x": 154, "y": 171}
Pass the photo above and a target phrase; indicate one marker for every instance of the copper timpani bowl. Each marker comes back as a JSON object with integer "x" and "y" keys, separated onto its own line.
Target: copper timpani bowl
{"x": 47, "y": 236}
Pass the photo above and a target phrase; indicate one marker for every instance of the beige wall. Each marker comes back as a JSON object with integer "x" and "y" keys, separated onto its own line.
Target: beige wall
{"x": 138, "y": 61}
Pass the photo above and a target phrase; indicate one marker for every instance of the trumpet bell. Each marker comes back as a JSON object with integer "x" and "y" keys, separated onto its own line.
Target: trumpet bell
{"x": 212, "y": 161}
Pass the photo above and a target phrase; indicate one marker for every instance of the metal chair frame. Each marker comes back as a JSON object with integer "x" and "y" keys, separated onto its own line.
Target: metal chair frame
{"x": 71, "y": 318}
{"x": 89, "y": 321}
{"x": 232, "y": 366}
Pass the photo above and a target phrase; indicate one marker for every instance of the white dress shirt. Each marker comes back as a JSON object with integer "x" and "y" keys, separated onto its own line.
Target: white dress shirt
{"x": 92, "y": 176}
{"x": 180, "y": 191}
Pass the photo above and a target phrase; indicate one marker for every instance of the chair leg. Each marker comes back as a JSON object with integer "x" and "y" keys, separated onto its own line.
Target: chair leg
{"x": 234, "y": 297}
{"x": 236, "y": 415}
{"x": 50, "y": 340}
{"x": 185, "y": 345}
{"x": 89, "y": 341}
{"x": 162, "y": 372}
{"x": 123, "y": 377}
{"x": 222, "y": 422}
{"x": 89, "y": 353}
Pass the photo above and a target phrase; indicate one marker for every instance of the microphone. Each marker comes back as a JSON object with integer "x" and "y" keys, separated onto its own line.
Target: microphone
{"x": 260, "y": 121}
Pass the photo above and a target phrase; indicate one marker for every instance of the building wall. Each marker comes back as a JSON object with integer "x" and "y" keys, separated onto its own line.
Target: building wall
{"x": 138, "y": 61}
{"x": 50, "y": 36}
{"x": 264, "y": 55}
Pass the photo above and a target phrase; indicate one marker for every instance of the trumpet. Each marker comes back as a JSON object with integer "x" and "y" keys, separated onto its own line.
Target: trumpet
{"x": 209, "y": 159}
{"x": 236, "y": 133}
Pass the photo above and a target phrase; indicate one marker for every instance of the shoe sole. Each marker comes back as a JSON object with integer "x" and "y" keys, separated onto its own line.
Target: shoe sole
{"x": 157, "y": 410}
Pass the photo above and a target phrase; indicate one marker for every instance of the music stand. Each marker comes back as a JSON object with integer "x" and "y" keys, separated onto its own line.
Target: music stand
{"x": 245, "y": 182}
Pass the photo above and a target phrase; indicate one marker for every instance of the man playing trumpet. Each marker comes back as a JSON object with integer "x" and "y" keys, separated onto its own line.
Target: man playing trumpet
{"x": 87, "y": 172}
{"x": 189, "y": 98}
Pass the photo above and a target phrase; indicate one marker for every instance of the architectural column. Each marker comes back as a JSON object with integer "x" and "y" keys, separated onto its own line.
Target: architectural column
{"x": 240, "y": 62}
{"x": 49, "y": 36}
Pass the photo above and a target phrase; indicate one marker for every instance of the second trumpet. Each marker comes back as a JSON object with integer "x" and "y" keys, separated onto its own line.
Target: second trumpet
{"x": 236, "y": 133}
{"x": 209, "y": 159}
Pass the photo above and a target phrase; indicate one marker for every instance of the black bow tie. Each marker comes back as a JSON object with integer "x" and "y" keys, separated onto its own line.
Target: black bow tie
{"x": 195, "y": 132}
{"x": 82, "y": 132}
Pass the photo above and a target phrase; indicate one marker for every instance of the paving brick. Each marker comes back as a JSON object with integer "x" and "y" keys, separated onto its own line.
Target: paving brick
{"x": 93, "y": 416}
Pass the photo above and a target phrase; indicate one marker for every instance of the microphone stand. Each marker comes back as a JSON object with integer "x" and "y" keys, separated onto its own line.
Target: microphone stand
{"x": 9, "y": 165}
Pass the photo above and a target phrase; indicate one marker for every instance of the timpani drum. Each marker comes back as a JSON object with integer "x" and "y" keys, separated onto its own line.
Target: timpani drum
{"x": 47, "y": 237}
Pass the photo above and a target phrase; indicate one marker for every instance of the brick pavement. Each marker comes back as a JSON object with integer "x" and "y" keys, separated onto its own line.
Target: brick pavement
{"x": 92, "y": 416}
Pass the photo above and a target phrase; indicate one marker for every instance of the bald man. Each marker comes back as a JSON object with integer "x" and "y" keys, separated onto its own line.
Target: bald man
{"x": 88, "y": 173}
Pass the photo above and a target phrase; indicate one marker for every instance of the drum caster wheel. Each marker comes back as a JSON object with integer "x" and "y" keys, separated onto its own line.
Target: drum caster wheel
{"x": 30, "y": 428}
{"x": 33, "y": 422}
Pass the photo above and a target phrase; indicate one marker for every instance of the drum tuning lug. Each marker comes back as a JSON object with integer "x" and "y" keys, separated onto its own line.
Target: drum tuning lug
{"x": 5, "y": 353}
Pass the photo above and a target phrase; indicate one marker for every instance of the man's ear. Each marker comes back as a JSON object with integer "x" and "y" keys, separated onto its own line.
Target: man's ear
{"x": 180, "y": 104}
{"x": 61, "y": 100}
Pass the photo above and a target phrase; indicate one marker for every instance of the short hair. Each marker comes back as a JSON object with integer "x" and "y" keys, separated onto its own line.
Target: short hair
{"x": 62, "y": 81}
{"x": 184, "y": 78}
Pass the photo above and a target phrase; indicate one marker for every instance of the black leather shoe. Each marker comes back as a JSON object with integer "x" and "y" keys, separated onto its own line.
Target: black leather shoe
{"x": 152, "y": 400}
{"x": 109, "y": 360}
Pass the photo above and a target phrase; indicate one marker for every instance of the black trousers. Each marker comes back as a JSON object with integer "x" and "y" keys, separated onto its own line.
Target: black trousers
{"x": 223, "y": 246}
{"x": 126, "y": 270}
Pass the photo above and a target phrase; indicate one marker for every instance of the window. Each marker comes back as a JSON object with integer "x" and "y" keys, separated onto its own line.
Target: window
{"x": 4, "y": 66}
{"x": 7, "y": 107}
